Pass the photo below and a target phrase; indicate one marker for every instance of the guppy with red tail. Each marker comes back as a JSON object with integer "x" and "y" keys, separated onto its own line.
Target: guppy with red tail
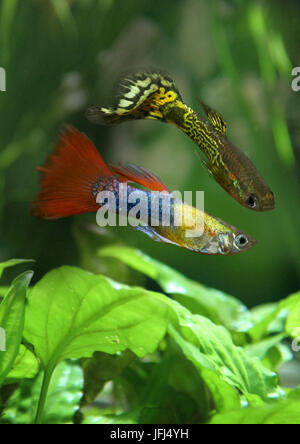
{"x": 75, "y": 174}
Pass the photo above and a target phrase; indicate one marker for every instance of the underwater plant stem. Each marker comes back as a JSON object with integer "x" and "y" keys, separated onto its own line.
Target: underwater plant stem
{"x": 43, "y": 394}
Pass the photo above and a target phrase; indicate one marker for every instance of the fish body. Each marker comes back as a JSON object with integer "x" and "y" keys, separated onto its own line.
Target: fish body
{"x": 75, "y": 175}
{"x": 155, "y": 96}
{"x": 217, "y": 236}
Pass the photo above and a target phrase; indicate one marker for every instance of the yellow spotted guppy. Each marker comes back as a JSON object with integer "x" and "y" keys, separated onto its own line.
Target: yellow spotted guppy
{"x": 153, "y": 95}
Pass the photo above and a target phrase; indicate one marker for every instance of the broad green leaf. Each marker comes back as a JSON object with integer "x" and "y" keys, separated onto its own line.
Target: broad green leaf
{"x": 72, "y": 314}
{"x": 25, "y": 366}
{"x": 64, "y": 394}
{"x": 277, "y": 356}
{"x": 270, "y": 352}
{"x": 161, "y": 404}
{"x": 260, "y": 349}
{"x": 218, "y": 306}
{"x": 222, "y": 365}
{"x": 3, "y": 291}
{"x": 124, "y": 418}
{"x": 261, "y": 327}
{"x": 12, "y": 263}
{"x": 261, "y": 312}
{"x": 101, "y": 368}
{"x": 12, "y": 312}
{"x": 294, "y": 395}
{"x": 169, "y": 406}
{"x": 192, "y": 385}
{"x": 293, "y": 319}
{"x": 282, "y": 412}
{"x": 133, "y": 380}
{"x": 263, "y": 317}
{"x": 271, "y": 318}
{"x": 62, "y": 402}
{"x": 174, "y": 407}
{"x": 225, "y": 396}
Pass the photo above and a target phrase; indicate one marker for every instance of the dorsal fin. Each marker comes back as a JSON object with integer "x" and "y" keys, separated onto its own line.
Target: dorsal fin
{"x": 216, "y": 120}
{"x": 134, "y": 173}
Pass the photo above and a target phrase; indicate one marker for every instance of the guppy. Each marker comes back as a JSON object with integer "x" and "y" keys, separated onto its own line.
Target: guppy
{"x": 154, "y": 96}
{"x": 75, "y": 174}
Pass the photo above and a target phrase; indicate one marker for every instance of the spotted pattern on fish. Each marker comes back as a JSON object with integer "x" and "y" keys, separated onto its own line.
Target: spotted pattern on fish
{"x": 105, "y": 184}
{"x": 202, "y": 135}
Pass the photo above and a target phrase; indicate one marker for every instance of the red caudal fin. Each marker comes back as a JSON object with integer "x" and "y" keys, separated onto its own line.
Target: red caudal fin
{"x": 133, "y": 173}
{"x": 69, "y": 176}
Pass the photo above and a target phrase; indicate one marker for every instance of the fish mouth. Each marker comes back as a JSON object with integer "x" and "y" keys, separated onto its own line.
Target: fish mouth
{"x": 266, "y": 203}
{"x": 227, "y": 244}
{"x": 264, "y": 206}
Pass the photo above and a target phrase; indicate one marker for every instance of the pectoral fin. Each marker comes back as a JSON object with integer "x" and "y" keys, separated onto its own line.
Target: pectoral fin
{"x": 151, "y": 232}
{"x": 215, "y": 119}
{"x": 204, "y": 163}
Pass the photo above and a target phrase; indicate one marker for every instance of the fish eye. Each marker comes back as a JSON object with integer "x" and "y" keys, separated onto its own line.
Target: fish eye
{"x": 241, "y": 241}
{"x": 251, "y": 201}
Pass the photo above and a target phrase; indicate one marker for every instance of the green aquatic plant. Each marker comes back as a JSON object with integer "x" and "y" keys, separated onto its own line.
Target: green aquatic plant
{"x": 59, "y": 57}
{"x": 185, "y": 354}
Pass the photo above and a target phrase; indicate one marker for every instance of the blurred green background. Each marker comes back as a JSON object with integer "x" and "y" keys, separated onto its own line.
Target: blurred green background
{"x": 63, "y": 56}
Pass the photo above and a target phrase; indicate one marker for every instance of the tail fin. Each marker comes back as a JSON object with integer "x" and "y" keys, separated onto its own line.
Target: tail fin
{"x": 139, "y": 96}
{"x": 69, "y": 178}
